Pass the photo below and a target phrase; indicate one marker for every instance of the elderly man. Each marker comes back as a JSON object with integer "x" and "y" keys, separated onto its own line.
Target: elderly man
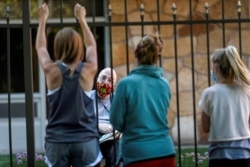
{"x": 102, "y": 98}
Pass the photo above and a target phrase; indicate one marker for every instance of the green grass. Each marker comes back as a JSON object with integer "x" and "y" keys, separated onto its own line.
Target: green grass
{"x": 5, "y": 161}
{"x": 187, "y": 159}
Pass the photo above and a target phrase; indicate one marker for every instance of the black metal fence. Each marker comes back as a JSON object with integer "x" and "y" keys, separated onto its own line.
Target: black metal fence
{"x": 28, "y": 35}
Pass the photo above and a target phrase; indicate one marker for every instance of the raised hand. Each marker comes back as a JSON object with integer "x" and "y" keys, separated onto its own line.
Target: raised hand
{"x": 79, "y": 11}
{"x": 43, "y": 11}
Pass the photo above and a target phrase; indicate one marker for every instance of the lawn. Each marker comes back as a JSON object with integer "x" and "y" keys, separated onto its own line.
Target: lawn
{"x": 187, "y": 159}
{"x": 19, "y": 160}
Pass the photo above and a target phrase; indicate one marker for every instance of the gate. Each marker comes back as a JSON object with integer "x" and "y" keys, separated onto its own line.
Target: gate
{"x": 191, "y": 30}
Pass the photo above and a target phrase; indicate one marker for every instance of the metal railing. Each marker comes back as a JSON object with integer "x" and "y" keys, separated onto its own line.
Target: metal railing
{"x": 27, "y": 25}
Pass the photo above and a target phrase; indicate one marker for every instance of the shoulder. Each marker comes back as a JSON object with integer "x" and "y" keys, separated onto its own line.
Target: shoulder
{"x": 128, "y": 81}
{"x": 87, "y": 74}
{"x": 125, "y": 85}
{"x": 211, "y": 92}
{"x": 212, "y": 88}
{"x": 53, "y": 75}
{"x": 205, "y": 92}
{"x": 89, "y": 68}
{"x": 165, "y": 81}
{"x": 91, "y": 94}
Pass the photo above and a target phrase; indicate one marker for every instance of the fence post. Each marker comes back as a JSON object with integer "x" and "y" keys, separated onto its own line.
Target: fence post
{"x": 28, "y": 76}
{"x": 142, "y": 19}
{"x": 239, "y": 23}
{"x": 207, "y": 7}
{"x": 8, "y": 10}
{"x": 174, "y": 8}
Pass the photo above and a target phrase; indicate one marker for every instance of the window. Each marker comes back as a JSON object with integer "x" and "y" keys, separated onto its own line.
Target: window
{"x": 16, "y": 41}
{"x": 16, "y": 61}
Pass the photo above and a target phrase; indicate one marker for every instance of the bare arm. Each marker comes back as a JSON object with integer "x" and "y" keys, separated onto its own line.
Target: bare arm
{"x": 50, "y": 68}
{"x": 41, "y": 41}
{"x": 205, "y": 120}
{"x": 90, "y": 67}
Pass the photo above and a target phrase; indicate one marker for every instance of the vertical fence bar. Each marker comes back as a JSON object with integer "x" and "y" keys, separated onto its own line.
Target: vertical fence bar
{"x": 94, "y": 32}
{"x": 126, "y": 33}
{"x": 142, "y": 19}
{"x": 239, "y": 25}
{"x": 61, "y": 12}
{"x": 208, "y": 46}
{"x": 28, "y": 84}
{"x": 223, "y": 22}
{"x": 93, "y": 15}
{"x": 158, "y": 16}
{"x": 177, "y": 85}
{"x": 9, "y": 83}
{"x": 158, "y": 27}
{"x": 111, "y": 72}
{"x": 110, "y": 42}
{"x": 193, "y": 81}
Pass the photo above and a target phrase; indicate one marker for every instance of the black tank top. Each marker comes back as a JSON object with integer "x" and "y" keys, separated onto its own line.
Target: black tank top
{"x": 71, "y": 112}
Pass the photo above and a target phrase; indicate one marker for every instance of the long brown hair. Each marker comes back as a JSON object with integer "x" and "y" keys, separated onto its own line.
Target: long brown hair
{"x": 149, "y": 49}
{"x": 68, "y": 46}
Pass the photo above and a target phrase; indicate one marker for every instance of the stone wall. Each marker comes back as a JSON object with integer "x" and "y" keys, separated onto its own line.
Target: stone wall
{"x": 189, "y": 77}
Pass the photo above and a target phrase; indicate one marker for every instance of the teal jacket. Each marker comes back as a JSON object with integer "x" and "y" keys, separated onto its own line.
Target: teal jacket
{"x": 139, "y": 110}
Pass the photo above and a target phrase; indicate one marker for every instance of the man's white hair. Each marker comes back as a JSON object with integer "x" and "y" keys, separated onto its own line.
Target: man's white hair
{"x": 107, "y": 71}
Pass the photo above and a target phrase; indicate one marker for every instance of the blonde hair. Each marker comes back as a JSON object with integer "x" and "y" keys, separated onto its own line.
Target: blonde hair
{"x": 149, "y": 49}
{"x": 231, "y": 66}
{"x": 68, "y": 46}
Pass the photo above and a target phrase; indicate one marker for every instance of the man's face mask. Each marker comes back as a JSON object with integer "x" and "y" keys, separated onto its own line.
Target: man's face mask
{"x": 103, "y": 89}
{"x": 104, "y": 84}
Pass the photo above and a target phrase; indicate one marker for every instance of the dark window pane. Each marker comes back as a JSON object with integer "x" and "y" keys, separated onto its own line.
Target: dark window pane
{"x": 16, "y": 62}
{"x": 68, "y": 7}
{"x": 54, "y": 6}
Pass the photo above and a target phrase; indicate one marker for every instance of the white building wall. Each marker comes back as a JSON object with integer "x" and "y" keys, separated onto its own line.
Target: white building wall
{"x": 18, "y": 125}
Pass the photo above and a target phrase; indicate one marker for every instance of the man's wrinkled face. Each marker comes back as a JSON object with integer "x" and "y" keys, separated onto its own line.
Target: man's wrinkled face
{"x": 104, "y": 83}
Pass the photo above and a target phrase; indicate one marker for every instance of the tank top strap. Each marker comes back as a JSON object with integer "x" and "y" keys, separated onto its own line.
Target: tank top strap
{"x": 79, "y": 67}
{"x": 62, "y": 66}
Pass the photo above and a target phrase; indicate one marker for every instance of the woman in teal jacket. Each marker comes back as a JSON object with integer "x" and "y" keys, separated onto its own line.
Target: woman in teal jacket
{"x": 139, "y": 110}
